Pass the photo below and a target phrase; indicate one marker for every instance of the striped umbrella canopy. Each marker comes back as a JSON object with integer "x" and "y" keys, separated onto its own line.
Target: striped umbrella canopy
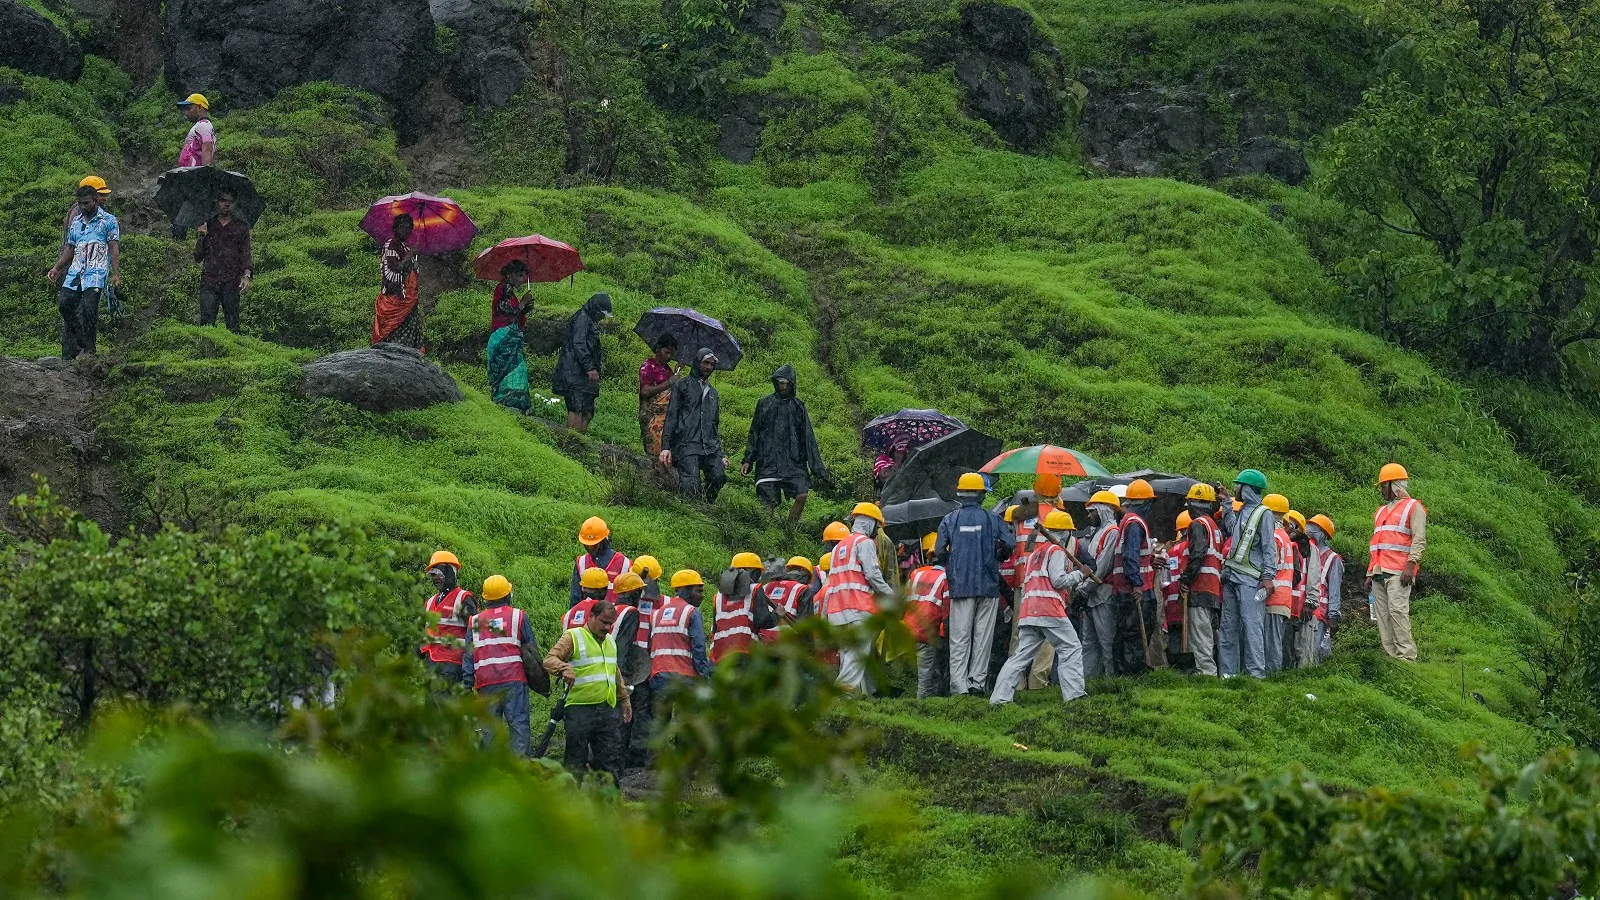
{"x": 1044, "y": 459}
{"x": 438, "y": 224}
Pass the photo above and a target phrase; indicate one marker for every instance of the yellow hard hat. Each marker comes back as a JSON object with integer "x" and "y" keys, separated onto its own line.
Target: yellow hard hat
{"x": 647, "y": 566}
{"x": 836, "y": 531}
{"x": 1323, "y": 522}
{"x": 746, "y": 561}
{"x": 870, "y": 510}
{"x": 1202, "y": 492}
{"x": 443, "y": 556}
{"x": 96, "y": 182}
{"x": 1106, "y": 497}
{"x": 196, "y": 100}
{"x": 928, "y": 540}
{"x": 1392, "y": 472}
{"x": 496, "y": 587}
{"x": 1010, "y": 514}
{"x": 1278, "y": 503}
{"x": 1047, "y": 486}
{"x": 1139, "y": 489}
{"x": 1059, "y": 520}
{"x": 686, "y": 578}
{"x": 798, "y": 562}
{"x": 1294, "y": 516}
{"x": 628, "y": 582}
{"x": 593, "y": 531}
{"x": 825, "y": 563}
{"x": 594, "y": 578}
{"x": 1185, "y": 520}
{"x": 972, "y": 481}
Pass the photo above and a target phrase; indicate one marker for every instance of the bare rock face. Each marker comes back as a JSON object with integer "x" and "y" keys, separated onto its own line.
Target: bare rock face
{"x": 485, "y": 56}
{"x": 245, "y": 51}
{"x": 382, "y": 378}
{"x": 33, "y": 45}
{"x": 47, "y": 429}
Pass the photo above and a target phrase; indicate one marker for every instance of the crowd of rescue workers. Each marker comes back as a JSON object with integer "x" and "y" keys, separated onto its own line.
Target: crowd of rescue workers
{"x": 1248, "y": 586}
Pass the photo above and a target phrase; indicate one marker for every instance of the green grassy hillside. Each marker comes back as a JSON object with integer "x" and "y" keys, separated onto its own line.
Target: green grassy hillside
{"x": 883, "y": 243}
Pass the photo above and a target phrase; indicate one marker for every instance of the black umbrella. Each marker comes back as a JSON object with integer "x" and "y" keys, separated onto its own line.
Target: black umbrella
{"x": 910, "y": 520}
{"x": 693, "y": 331}
{"x": 933, "y": 469}
{"x": 188, "y": 195}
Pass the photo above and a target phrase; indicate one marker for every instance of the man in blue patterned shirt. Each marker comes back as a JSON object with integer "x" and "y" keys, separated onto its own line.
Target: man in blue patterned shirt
{"x": 91, "y": 259}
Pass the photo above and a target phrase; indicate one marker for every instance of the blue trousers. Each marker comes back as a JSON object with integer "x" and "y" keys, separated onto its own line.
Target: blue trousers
{"x": 1243, "y": 639}
{"x": 510, "y": 703}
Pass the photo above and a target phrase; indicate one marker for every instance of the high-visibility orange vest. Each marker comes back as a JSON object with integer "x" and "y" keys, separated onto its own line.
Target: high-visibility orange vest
{"x": 1013, "y": 567}
{"x": 929, "y": 603}
{"x": 447, "y": 638}
{"x": 613, "y": 569}
{"x": 1042, "y": 603}
{"x": 847, "y": 581}
{"x": 579, "y": 614}
{"x": 671, "y": 647}
{"x": 731, "y": 630}
{"x": 784, "y": 595}
{"x": 1209, "y": 580}
{"x": 1147, "y": 571}
{"x": 1282, "y": 576}
{"x": 1328, "y": 556}
{"x": 1297, "y": 596}
{"x": 1390, "y": 548}
{"x": 497, "y": 646}
{"x": 1172, "y": 588}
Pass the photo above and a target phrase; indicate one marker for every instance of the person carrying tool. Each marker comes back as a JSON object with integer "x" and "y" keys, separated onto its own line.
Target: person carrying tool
{"x": 1247, "y": 576}
{"x": 927, "y": 608}
{"x": 449, "y": 610}
{"x": 595, "y": 536}
{"x": 737, "y": 613}
{"x": 1094, "y": 605}
{"x": 855, "y": 588}
{"x": 501, "y": 635}
{"x": 972, "y": 542}
{"x": 1399, "y": 537}
{"x": 597, "y": 698}
{"x": 1201, "y": 577}
{"x": 1330, "y": 581}
{"x": 1134, "y": 579}
{"x": 1049, "y": 576}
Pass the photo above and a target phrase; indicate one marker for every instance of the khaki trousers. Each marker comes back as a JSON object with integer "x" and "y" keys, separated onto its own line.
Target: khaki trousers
{"x": 1043, "y": 661}
{"x": 1393, "y": 604}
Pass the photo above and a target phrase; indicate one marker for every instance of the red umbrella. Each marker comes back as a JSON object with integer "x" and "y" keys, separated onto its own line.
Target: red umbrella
{"x": 546, "y": 259}
{"x": 438, "y": 223}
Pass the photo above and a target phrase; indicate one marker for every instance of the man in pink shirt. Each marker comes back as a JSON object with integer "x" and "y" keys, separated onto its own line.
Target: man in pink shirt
{"x": 200, "y": 145}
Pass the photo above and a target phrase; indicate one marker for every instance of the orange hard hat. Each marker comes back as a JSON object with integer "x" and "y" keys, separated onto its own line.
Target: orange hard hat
{"x": 1139, "y": 489}
{"x": 1047, "y": 486}
{"x": 444, "y": 557}
{"x": 1184, "y": 520}
{"x": 1392, "y": 472}
{"x": 836, "y": 531}
{"x": 1323, "y": 522}
{"x": 593, "y": 531}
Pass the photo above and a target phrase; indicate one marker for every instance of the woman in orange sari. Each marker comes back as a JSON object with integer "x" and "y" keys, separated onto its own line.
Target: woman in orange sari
{"x": 397, "y": 318}
{"x": 656, "y": 379}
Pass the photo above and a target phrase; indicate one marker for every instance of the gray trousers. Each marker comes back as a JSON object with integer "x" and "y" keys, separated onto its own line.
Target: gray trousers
{"x": 1099, "y": 639}
{"x": 1030, "y": 637}
{"x": 1324, "y": 641}
{"x": 971, "y": 628}
{"x": 930, "y": 682}
{"x": 1308, "y": 644}
{"x": 1203, "y": 639}
{"x": 853, "y": 653}
{"x": 1244, "y": 609}
{"x": 1275, "y": 634}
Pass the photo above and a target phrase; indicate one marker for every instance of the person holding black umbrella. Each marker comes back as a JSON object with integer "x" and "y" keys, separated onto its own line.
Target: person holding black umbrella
{"x": 692, "y": 437}
{"x": 224, "y": 252}
{"x": 782, "y": 448}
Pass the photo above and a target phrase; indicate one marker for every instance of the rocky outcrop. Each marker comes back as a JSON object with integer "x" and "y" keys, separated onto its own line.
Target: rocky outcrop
{"x": 47, "y": 429}
{"x": 484, "y": 52}
{"x": 32, "y": 44}
{"x": 1149, "y": 129}
{"x": 995, "y": 51}
{"x": 244, "y": 51}
{"x": 383, "y": 378}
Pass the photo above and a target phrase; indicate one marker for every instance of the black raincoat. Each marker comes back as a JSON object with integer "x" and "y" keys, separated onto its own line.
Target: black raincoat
{"x": 781, "y": 442}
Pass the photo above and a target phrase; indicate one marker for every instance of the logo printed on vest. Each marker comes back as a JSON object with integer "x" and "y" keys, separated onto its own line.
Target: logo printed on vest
{"x": 668, "y": 614}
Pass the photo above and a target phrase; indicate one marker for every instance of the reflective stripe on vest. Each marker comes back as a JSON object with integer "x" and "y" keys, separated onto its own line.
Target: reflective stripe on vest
{"x": 1298, "y": 595}
{"x": 1172, "y": 587}
{"x": 496, "y": 647}
{"x": 671, "y": 647}
{"x": 784, "y": 595}
{"x": 594, "y": 663}
{"x": 578, "y": 615}
{"x": 1328, "y": 556}
{"x": 613, "y": 570}
{"x": 1041, "y": 601}
{"x": 1390, "y": 547}
{"x": 647, "y": 608}
{"x": 1209, "y": 580}
{"x": 730, "y": 629}
{"x": 1109, "y": 536}
{"x": 1147, "y": 572}
{"x": 1239, "y": 556}
{"x": 847, "y": 581}
{"x": 447, "y": 638}
{"x": 1283, "y": 574}
{"x": 925, "y": 609}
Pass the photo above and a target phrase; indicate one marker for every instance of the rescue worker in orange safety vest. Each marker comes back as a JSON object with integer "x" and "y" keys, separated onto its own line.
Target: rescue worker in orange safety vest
{"x": 449, "y": 610}
{"x": 855, "y": 588}
{"x": 788, "y": 595}
{"x": 1399, "y": 537}
{"x": 499, "y": 632}
{"x": 1330, "y": 580}
{"x": 1134, "y": 580}
{"x": 1025, "y": 518}
{"x": 598, "y": 706}
{"x": 1201, "y": 576}
{"x": 595, "y": 536}
{"x": 927, "y": 608}
{"x": 678, "y": 633}
{"x": 737, "y": 612}
{"x": 1093, "y": 605}
{"x": 633, "y": 657}
{"x": 1049, "y": 576}
{"x": 1171, "y": 560}
{"x": 595, "y": 588}
{"x": 1301, "y": 646}
{"x": 1281, "y": 598}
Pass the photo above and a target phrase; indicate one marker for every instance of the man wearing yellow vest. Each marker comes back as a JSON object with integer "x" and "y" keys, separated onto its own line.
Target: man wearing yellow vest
{"x": 586, "y": 657}
{"x": 1399, "y": 537}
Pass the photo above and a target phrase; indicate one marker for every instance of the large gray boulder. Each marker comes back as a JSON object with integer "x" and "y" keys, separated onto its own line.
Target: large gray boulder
{"x": 47, "y": 429}
{"x": 383, "y": 378}
{"x": 32, "y": 44}
{"x": 245, "y": 51}
{"x": 485, "y": 59}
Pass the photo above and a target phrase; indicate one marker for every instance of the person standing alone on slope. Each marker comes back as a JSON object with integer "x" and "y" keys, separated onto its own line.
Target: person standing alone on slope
{"x": 577, "y": 374}
{"x": 1399, "y": 536}
{"x": 782, "y": 449}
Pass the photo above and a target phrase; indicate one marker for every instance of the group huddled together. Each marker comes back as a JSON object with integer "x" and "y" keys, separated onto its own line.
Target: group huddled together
{"x": 1247, "y": 586}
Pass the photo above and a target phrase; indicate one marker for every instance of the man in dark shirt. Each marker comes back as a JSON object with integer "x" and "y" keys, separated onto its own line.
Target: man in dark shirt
{"x": 692, "y": 439}
{"x": 223, "y": 251}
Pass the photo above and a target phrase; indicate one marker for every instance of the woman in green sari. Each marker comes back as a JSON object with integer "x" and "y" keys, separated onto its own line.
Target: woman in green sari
{"x": 508, "y": 369}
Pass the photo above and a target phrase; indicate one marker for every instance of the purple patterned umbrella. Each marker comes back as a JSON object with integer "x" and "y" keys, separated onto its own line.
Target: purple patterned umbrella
{"x": 693, "y": 330}
{"x": 438, "y": 223}
{"x": 914, "y": 427}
